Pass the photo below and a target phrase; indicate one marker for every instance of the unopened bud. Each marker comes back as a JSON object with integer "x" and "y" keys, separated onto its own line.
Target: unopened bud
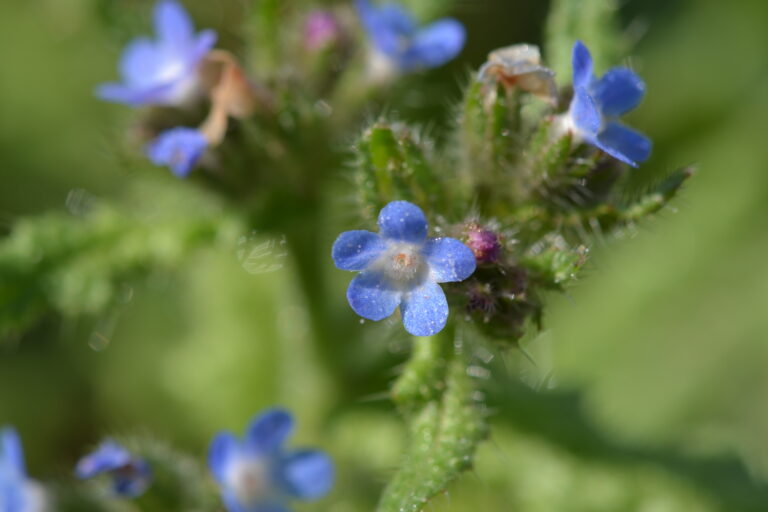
{"x": 520, "y": 66}
{"x": 321, "y": 30}
{"x": 485, "y": 244}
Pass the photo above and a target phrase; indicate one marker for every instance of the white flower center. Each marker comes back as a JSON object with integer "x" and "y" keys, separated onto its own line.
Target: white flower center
{"x": 382, "y": 69}
{"x": 403, "y": 264}
{"x": 35, "y": 498}
{"x": 250, "y": 480}
{"x": 171, "y": 70}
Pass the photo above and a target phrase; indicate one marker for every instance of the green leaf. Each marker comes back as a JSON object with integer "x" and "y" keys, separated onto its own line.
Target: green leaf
{"x": 83, "y": 265}
{"x": 559, "y": 418}
{"x": 591, "y": 21}
{"x": 554, "y": 262}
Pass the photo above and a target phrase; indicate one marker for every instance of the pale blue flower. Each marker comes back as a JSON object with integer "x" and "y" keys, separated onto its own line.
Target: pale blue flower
{"x": 395, "y": 34}
{"x": 179, "y": 149}
{"x": 18, "y": 493}
{"x": 258, "y": 474}
{"x": 402, "y": 267}
{"x": 161, "y": 71}
{"x": 130, "y": 475}
{"x": 599, "y": 102}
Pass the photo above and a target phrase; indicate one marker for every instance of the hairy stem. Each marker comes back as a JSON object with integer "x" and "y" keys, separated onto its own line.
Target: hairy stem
{"x": 445, "y": 423}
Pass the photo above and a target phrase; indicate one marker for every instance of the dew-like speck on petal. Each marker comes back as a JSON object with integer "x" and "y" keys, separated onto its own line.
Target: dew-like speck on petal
{"x": 79, "y": 202}
{"x": 98, "y": 341}
{"x": 126, "y": 294}
{"x": 323, "y": 108}
{"x": 478, "y": 372}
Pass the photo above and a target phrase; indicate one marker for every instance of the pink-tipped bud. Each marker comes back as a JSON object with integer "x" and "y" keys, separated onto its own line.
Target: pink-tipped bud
{"x": 321, "y": 30}
{"x": 485, "y": 244}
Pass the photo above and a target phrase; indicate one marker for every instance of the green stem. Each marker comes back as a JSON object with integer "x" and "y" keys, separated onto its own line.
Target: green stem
{"x": 446, "y": 423}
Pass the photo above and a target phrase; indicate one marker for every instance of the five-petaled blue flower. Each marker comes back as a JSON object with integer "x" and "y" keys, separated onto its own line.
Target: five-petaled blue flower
{"x": 17, "y": 492}
{"x": 178, "y": 148}
{"x": 396, "y": 35}
{"x": 163, "y": 71}
{"x": 597, "y": 105}
{"x": 257, "y": 474}
{"x": 401, "y": 267}
{"x": 130, "y": 475}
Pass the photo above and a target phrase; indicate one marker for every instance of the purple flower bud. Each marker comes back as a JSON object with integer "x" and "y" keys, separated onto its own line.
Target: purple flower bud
{"x": 321, "y": 30}
{"x": 484, "y": 243}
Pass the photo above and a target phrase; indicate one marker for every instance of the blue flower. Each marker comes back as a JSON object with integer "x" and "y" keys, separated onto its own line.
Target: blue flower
{"x": 17, "y": 492}
{"x": 396, "y": 35}
{"x": 163, "y": 71}
{"x": 257, "y": 474}
{"x": 130, "y": 475}
{"x": 178, "y": 148}
{"x": 401, "y": 267}
{"x": 598, "y": 103}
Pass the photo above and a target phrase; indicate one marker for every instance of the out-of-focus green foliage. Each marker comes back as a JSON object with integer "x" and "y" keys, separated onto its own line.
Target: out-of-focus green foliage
{"x": 85, "y": 264}
{"x": 593, "y": 22}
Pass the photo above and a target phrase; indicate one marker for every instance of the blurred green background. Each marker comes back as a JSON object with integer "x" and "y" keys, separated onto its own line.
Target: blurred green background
{"x": 664, "y": 338}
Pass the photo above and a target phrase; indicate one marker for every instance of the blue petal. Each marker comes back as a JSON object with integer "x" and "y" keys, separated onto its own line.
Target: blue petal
{"x": 435, "y": 44}
{"x": 232, "y": 504}
{"x": 269, "y": 430}
{"x": 155, "y": 94}
{"x": 308, "y": 474}
{"x": 355, "y": 250}
{"x": 109, "y": 456}
{"x": 584, "y": 113}
{"x": 140, "y": 62}
{"x": 203, "y": 43}
{"x": 173, "y": 25}
{"x": 366, "y": 11}
{"x": 425, "y": 310}
{"x": 178, "y": 148}
{"x": 14, "y": 495}
{"x": 618, "y": 91}
{"x": 449, "y": 259}
{"x": 387, "y": 26}
{"x": 582, "y": 65}
{"x": 371, "y": 297}
{"x": 396, "y": 19}
{"x": 224, "y": 449}
{"x": 268, "y": 507}
{"x": 402, "y": 220}
{"x": 118, "y": 93}
{"x": 11, "y": 452}
{"x": 624, "y": 143}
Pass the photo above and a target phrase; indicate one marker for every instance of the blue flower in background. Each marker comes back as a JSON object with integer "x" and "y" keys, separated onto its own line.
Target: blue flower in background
{"x": 130, "y": 475}
{"x": 396, "y": 35}
{"x": 178, "y": 148}
{"x": 17, "y": 492}
{"x": 257, "y": 474}
{"x": 598, "y": 103}
{"x": 401, "y": 267}
{"x": 163, "y": 71}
